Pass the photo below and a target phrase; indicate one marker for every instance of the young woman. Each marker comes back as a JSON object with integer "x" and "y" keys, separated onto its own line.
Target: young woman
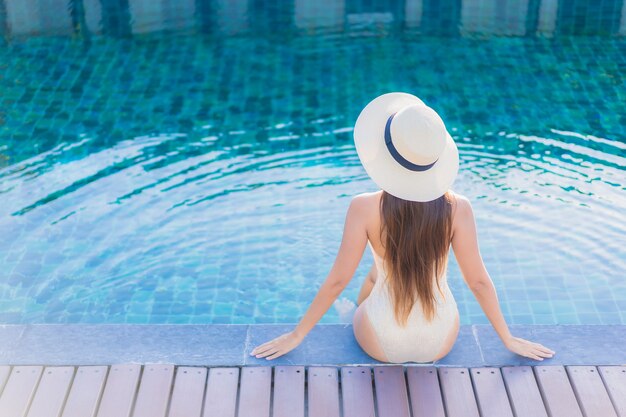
{"x": 406, "y": 311}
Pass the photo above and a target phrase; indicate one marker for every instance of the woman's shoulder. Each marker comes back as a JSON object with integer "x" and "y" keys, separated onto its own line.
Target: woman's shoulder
{"x": 372, "y": 200}
{"x": 460, "y": 202}
{"x": 367, "y": 204}
{"x": 462, "y": 213}
{"x": 368, "y": 198}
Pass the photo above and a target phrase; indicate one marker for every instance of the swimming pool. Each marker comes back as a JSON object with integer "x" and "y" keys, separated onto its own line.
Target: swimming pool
{"x": 178, "y": 168}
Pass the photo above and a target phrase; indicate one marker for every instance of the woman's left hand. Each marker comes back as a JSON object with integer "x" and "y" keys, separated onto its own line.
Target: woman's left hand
{"x": 278, "y": 346}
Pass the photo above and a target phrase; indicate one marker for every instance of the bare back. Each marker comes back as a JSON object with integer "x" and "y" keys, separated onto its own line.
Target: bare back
{"x": 374, "y": 220}
{"x": 464, "y": 239}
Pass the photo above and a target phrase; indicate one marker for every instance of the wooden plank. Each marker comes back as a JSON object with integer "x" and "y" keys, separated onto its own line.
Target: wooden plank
{"x": 19, "y": 390}
{"x": 5, "y": 371}
{"x": 323, "y": 391}
{"x": 51, "y": 392}
{"x": 391, "y": 395}
{"x": 119, "y": 391}
{"x": 457, "y": 392}
{"x": 523, "y": 391}
{"x": 589, "y": 389}
{"x": 558, "y": 395}
{"x": 614, "y": 378}
{"x": 356, "y": 389}
{"x": 154, "y": 390}
{"x": 426, "y": 400}
{"x": 85, "y": 392}
{"x": 255, "y": 391}
{"x": 491, "y": 395}
{"x": 288, "y": 391}
{"x": 221, "y": 392}
{"x": 188, "y": 392}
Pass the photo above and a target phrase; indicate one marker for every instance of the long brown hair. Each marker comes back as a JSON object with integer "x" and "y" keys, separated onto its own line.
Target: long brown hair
{"x": 417, "y": 241}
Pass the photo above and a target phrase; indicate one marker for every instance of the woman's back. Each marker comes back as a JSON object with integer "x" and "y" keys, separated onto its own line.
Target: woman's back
{"x": 374, "y": 223}
{"x": 421, "y": 339}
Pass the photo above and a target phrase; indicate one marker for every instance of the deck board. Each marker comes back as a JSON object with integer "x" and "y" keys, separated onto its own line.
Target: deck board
{"x": 86, "y": 391}
{"x": 614, "y": 378}
{"x": 51, "y": 392}
{"x": 357, "y": 391}
{"x": 5, "y": 371}
{"x": 119, "y": 391}
{"x": 558, "y": 395}
{"x": 288, "y": 391}
{"x": 154, "y": 391}
{"x": 491, "y": 395}
{"x": 323, "y": 392}
{"x": 255, "y": 391}
{"x": 424, "y": 391}
{"x": 19, "y": 390}
{"x": 523, "y": 391}
{"x": 221, "y": 392}
{"x": 458, "y": 395}
{"x": 590, "y": 391}
{"x": 391, "y": 394}
{"x": 188, "y": 392}
{"x": 167, "y": 390}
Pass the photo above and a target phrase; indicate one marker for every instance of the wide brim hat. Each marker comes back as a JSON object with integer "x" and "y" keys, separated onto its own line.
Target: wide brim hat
{"x": 405, "y": 147}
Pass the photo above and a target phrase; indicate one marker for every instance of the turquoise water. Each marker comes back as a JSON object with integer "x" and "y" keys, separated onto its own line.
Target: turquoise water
{"x": 179, "y": 176}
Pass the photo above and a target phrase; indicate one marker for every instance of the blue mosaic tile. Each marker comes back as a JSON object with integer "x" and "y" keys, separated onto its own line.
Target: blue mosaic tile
{"x": 137, "y": 189}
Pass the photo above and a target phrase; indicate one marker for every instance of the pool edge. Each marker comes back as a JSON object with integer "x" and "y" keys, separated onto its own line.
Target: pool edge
{"x": 326, "y": 344}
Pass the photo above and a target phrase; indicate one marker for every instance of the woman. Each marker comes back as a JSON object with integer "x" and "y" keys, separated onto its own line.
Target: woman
{"x": 406, "y": 311}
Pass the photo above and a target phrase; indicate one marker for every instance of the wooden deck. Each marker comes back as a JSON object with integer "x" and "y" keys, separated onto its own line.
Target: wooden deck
{"x": 160, "y": 390}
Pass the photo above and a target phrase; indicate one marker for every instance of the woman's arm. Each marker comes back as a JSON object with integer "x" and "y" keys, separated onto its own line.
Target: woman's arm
{"x": 350, "y": 253}
{"x": 465, "y": 246}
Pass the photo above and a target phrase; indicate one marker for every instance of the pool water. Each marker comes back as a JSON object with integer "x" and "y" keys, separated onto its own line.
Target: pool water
{"x": 165, "y": 171}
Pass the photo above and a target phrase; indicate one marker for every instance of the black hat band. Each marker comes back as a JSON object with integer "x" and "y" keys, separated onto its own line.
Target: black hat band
{"x": 396, "y": 155}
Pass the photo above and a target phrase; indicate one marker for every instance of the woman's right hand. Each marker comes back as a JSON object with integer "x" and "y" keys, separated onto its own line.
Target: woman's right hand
{"x": 528, "y": 349}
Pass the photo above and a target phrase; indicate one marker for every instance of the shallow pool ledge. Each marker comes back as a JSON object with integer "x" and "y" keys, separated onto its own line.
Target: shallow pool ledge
{"x": 326, "y": 344}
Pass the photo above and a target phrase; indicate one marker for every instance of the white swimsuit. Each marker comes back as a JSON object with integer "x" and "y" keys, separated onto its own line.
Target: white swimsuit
{"x": 420, "y": 340}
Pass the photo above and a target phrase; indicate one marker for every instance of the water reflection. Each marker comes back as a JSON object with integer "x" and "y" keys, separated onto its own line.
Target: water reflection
{"x": 309, "y": 15}
{"x": 205, "y": 177}
{"x": 169, "y": 229}
{"x": 120, "y": 18}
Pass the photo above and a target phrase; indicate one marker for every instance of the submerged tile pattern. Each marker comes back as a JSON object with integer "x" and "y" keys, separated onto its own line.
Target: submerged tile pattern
{"x": 198, "y": 177}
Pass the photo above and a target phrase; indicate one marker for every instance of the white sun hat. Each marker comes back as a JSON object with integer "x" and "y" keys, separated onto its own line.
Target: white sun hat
{"x": 405, "y": 148}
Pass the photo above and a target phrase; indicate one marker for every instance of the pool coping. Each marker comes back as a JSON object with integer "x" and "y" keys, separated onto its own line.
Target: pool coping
{"x": 326, "y": 344}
